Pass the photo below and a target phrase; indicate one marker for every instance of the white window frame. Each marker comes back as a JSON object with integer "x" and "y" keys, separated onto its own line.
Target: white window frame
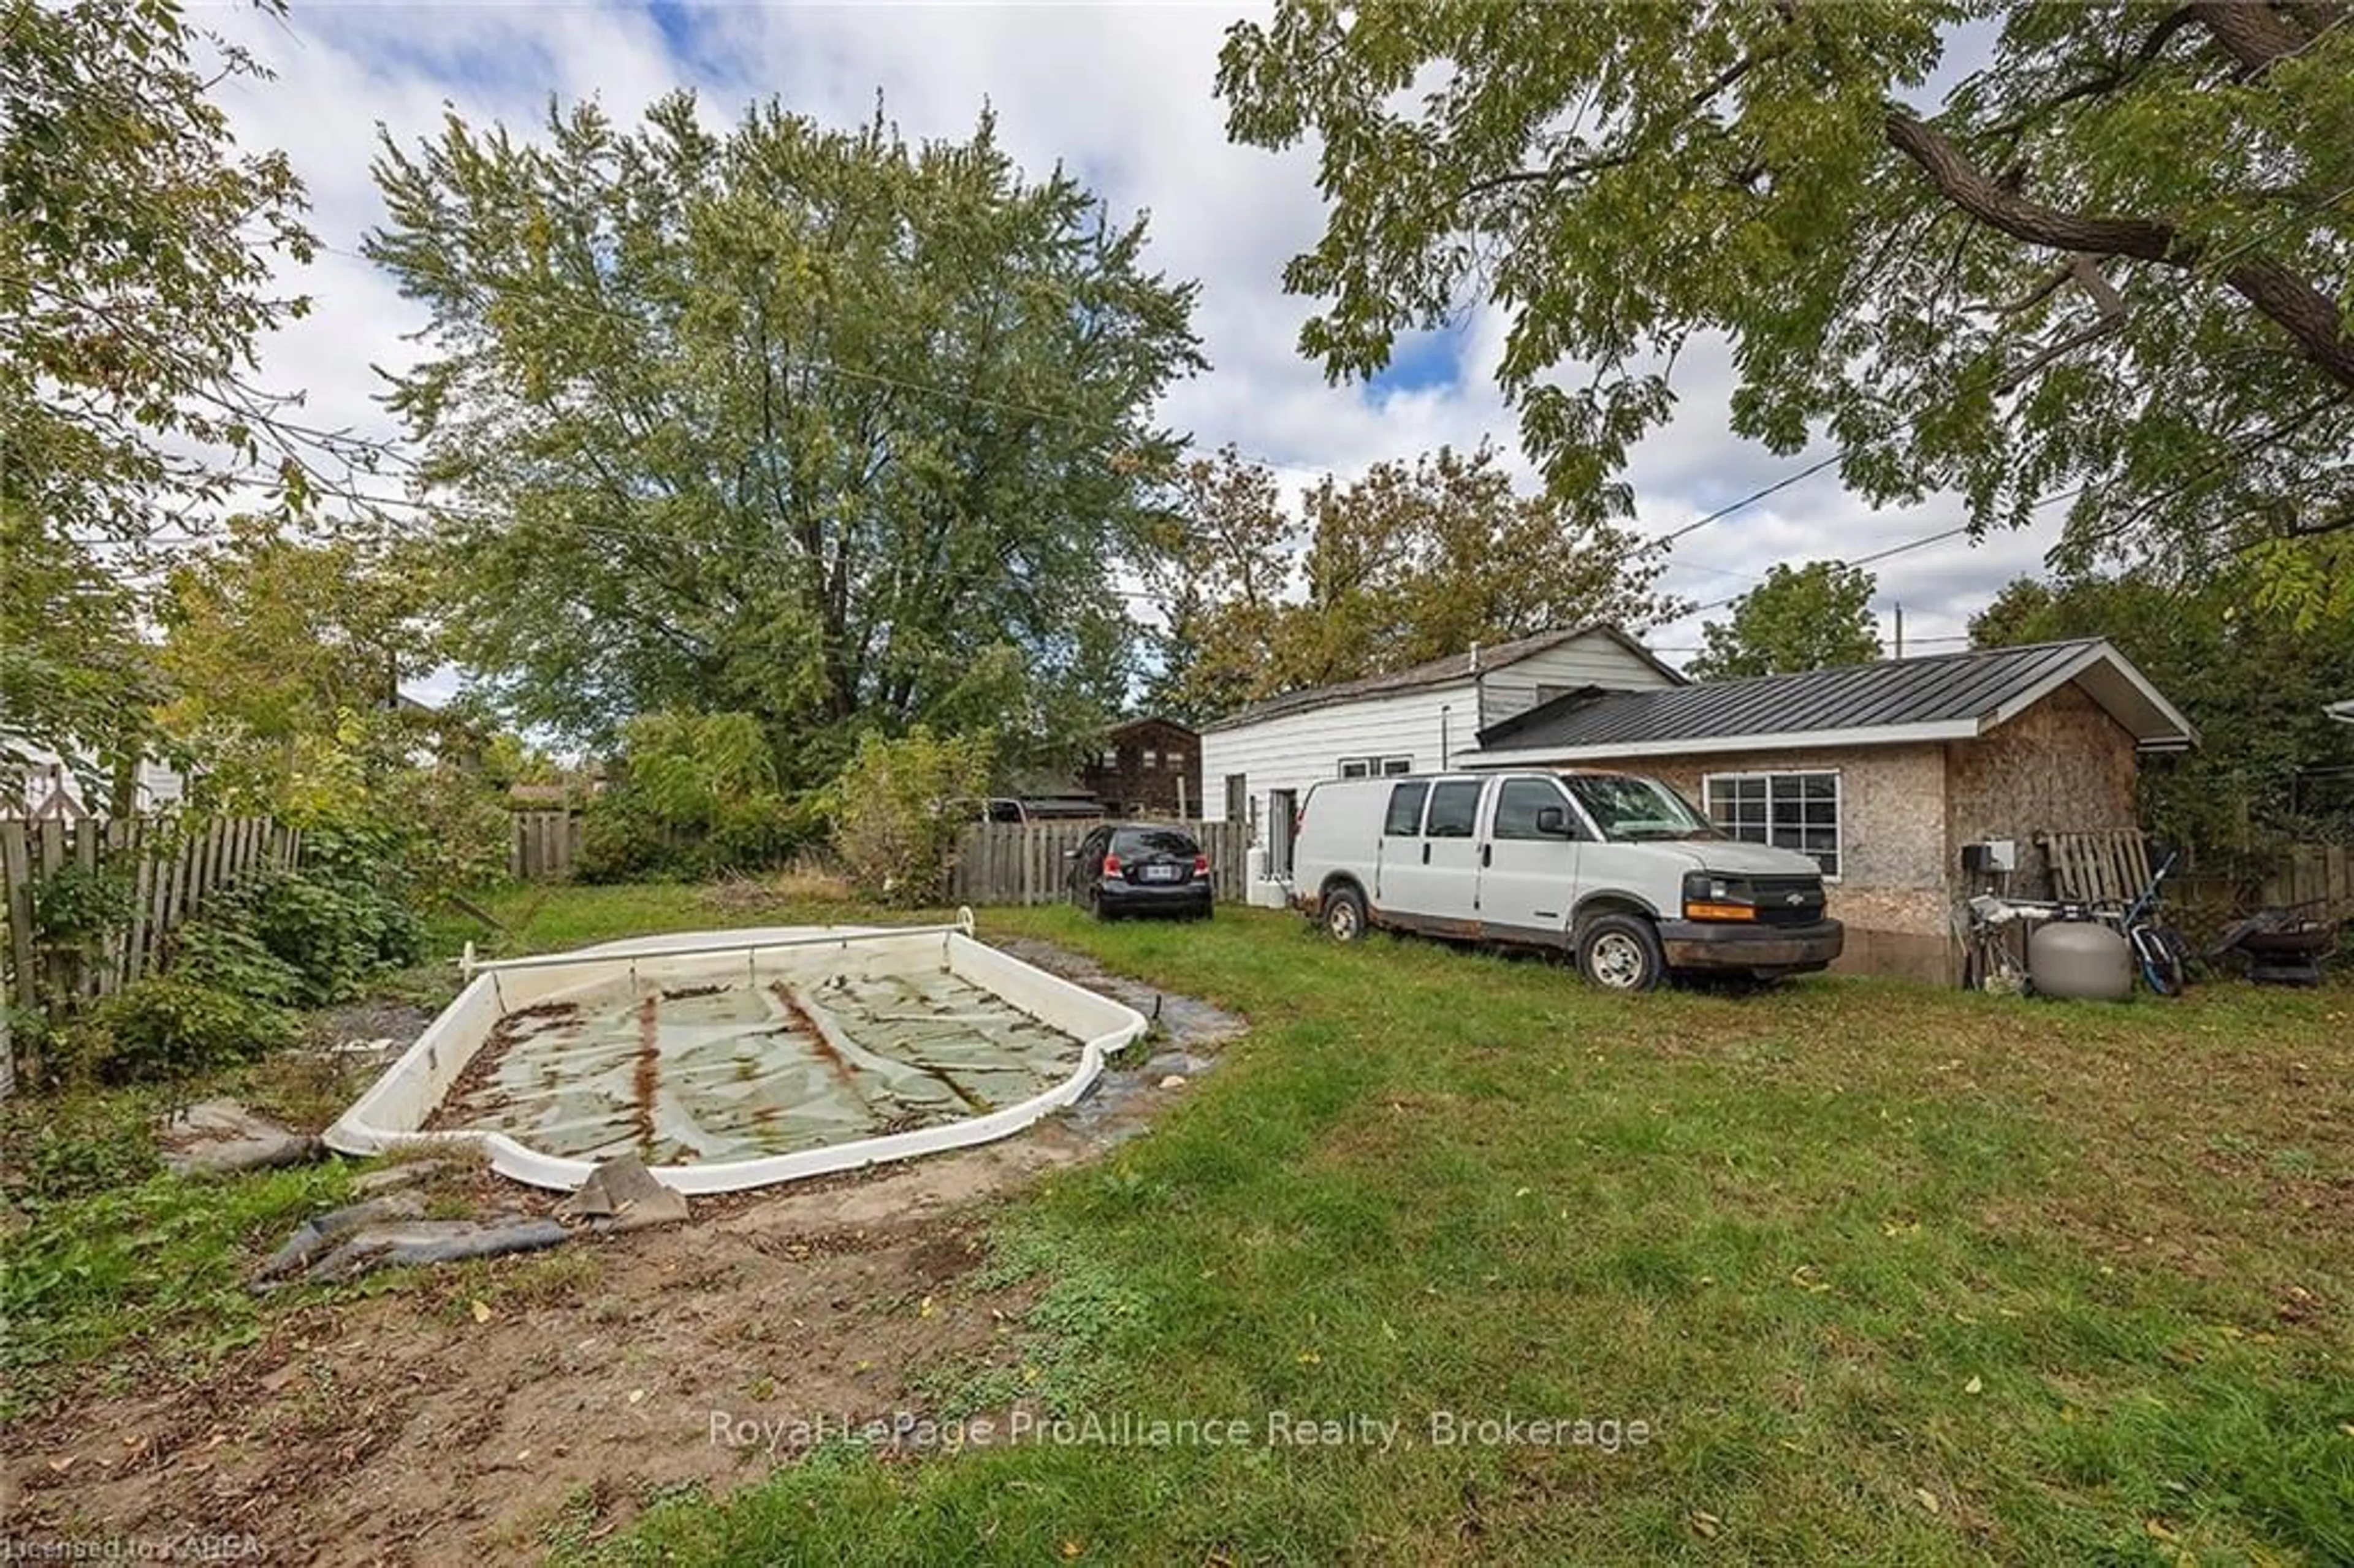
{"x": 1354, "y": 768}
{"x": 1708, "y": 781}
{"x": 1375, "y": 766}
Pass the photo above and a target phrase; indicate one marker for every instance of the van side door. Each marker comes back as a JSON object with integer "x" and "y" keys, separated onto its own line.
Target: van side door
{"x": 1529, "y": 862}
{"x": 1401, "y": 838}
{"x": 1432, "y": 882}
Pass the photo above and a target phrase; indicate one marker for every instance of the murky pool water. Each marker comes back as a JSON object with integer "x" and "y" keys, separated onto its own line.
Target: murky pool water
{"x": 698, "y": 1072}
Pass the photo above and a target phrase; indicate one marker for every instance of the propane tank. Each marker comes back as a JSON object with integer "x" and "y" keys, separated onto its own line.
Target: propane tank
{"x": 2079, "y": 960}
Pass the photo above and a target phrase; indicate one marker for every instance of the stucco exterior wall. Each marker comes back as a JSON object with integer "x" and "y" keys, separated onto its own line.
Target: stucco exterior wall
{"x": 2065, "y": 766}
{"x": 1892, "y": 890}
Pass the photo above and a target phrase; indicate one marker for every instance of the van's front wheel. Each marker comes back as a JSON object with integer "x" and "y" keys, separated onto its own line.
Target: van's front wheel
{"x": 1621, "y": 952}
{"x": 1344, "y": 914}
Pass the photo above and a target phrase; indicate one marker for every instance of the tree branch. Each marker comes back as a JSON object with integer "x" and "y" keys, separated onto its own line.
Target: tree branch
{"x": 2250, "y": 32}
{"x": 2289, "y": 302}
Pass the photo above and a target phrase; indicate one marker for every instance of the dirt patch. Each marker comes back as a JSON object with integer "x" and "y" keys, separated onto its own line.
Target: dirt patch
{"x": 413, "y": 1428}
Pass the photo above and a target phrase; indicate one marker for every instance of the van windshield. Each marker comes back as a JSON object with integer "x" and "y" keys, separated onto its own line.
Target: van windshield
{"x": 1628, "y": 809}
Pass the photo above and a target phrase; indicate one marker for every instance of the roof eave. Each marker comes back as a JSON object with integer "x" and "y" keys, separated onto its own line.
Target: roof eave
{"x": 1726, "y": 744}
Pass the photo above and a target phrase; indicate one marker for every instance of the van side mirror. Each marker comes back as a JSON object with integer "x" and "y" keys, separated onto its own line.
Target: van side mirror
{"x": 1553, "y": 823}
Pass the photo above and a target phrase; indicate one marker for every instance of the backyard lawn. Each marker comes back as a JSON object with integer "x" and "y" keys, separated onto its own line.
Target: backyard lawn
{"x": 1843, "y": 1270}
{"x": 1886, "y": 1271}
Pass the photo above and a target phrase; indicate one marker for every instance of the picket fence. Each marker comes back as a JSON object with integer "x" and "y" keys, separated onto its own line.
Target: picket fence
{"x": 1022, "y": 863}
{"x": 171, "y": 867}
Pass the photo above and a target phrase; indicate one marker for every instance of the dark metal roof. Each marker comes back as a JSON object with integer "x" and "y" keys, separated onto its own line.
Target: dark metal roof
{"x": 1436, "y": 672}
{"x": 1943, "y": 688}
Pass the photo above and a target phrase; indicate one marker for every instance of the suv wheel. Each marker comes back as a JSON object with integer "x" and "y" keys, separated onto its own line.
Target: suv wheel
{"x": 1621, "y": 952}
{"x": 1343, "y": 914}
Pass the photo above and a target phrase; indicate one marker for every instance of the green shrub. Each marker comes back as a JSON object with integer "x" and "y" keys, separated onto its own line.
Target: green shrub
{"x": 168, "y": 1027}
{"x": 221, "y": 951}
{"x": 332, "y": 927}
{"x": 696, "y": 795}
{"x": 896, "y": 816}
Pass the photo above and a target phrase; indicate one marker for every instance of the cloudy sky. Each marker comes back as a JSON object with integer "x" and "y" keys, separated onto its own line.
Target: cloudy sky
{"x": 1122, "y": 95}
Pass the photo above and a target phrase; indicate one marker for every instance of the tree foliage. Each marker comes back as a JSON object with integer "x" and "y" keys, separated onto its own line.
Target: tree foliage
{"x": 2114, "y": 253}
{"x": 1411, "y": 562}
{"x": 810, "y": 425}
{"x": 2270, "y": 766}
{"x": 899, "y": 806}
{"x": 136, "y": 274}
{"x": 695, "y": 794}
{"x": 1800, "y": 618}
{"x": 272, "y": 644}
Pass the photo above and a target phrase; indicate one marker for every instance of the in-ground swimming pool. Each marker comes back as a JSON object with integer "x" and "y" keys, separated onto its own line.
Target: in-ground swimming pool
{"x": 735, "y": 1059}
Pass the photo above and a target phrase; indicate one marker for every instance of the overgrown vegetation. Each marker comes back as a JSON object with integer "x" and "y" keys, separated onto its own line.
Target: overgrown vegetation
{"x": 695, "y": 796}
{"x": 231, "y": 976}
{"x": 899, "y": 808}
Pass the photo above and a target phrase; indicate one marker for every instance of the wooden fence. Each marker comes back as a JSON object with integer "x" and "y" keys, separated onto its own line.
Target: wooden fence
{"x": 545, "y": 844}
{"x": 1022, "y": 862}
{"x": 164, "y": 870}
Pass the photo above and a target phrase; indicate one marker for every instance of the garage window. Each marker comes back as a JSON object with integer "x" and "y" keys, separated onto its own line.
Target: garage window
{"x": 1375, "y": 767}
{"x": 1789, "y": 811}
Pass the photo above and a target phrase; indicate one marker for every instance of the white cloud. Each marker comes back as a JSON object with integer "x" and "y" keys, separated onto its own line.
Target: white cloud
{"x": 1119, "y": 94}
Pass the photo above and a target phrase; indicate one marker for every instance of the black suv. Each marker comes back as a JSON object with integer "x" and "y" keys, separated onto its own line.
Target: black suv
{"x": 1140, "y": 868}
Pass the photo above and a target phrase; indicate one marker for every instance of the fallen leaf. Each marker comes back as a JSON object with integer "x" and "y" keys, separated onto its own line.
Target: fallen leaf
{"x": 62, "y": 1466}
{"x": 637, "y": 1396}
{"x": 1704, "y": 1525}
{"x": 1926, "y": 1498}
{"x": 1072, "y": 1549}
{"x": 481, "y": 1310}
{"x": 927, "y": 1309}
{"x": 1975, "y": 1385}
{"x": 1310, "y": 1359}
{"x": 2157, "y": 1530}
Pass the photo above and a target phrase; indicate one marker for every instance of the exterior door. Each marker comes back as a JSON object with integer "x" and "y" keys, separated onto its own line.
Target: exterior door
{"x": 1528, "y": 880}
{"x": 1435, "y": 882}
{"x": 1282, "y": 818}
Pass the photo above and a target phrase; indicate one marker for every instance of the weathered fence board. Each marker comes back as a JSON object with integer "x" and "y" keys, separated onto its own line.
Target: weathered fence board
{"x": 1023, "y": 863}
{"x": 170, "y": 868}
{"x": 544, "y": 846}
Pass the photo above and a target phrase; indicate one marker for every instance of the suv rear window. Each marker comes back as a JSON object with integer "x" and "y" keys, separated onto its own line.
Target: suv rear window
{"x": 1454, "y": 809}
{"x": 1405, "y": 809}
{"x": 1129, "y": 841}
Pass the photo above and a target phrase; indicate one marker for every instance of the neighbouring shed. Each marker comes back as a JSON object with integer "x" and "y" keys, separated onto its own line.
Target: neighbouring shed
{"x": 1146, "y": 766}
{"x": 1883, "y": 772}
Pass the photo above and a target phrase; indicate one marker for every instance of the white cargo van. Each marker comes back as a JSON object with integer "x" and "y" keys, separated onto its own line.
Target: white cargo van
{"x": 1615, "y": 869}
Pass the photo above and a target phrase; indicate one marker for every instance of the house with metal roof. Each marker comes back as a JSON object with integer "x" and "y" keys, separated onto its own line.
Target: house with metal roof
{"x": 1257, "y": 763}
{"x": 1910, "y": 780}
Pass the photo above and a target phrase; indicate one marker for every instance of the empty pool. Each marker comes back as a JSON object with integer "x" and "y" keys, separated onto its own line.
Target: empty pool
{"x": 728, "y": 1060}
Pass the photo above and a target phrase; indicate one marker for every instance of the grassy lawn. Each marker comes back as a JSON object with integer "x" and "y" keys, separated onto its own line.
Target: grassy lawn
{"x": 1885, "y": 1273}
{"x": 1888, "y": 1273}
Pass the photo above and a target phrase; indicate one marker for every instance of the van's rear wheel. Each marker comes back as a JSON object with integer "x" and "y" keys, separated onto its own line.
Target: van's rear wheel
{"x": 1343, "y": 914}
{"x": 1621, "y": 952}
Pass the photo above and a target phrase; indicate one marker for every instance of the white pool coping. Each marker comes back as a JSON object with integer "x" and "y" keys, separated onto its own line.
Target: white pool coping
{"x": 391, "y": 1115}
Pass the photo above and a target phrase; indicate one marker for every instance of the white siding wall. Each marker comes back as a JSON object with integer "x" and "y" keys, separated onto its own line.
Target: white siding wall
{"x": 1584, "y": 661}
{"x": 1298, "y": 749}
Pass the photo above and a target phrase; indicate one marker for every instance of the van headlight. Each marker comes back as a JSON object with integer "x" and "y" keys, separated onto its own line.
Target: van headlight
{"x": 1711, "y": 895}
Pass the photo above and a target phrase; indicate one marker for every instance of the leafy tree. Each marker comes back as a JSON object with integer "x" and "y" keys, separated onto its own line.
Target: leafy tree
{"x": 2249, "y": 678}
{"x": 269, "y": 641}
{"x": 810, "y": 425}
{"x": 1410, "y": 562}
{"x": 136, "y": 273}
{"x": 899, "y": 807}
{"x": 2114, "y": 253}
{"x": 1800, "y": 618}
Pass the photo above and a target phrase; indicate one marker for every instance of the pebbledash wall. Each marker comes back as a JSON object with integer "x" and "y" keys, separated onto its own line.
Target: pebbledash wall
{"x": 1906, "y": 812}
